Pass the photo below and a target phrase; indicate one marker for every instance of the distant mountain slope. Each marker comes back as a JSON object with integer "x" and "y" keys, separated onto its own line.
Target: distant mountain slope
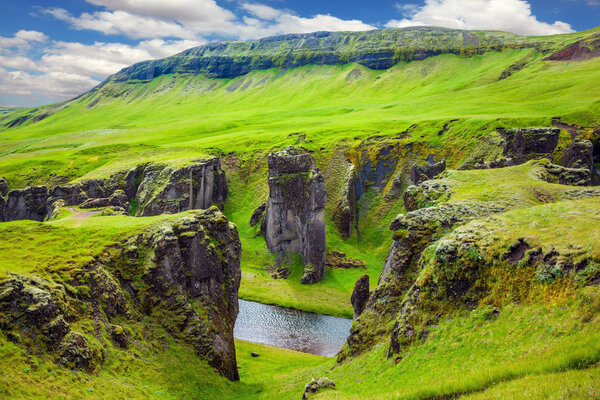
{"x": 377, "y": 49}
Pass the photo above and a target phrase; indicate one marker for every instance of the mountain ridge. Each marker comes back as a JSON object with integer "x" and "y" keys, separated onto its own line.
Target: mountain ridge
{"x": 375, "y": 49}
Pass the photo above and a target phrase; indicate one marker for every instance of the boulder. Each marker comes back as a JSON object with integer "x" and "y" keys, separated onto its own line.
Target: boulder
{"x": 27, "y": 203}
{"x": 295, "y": 214}
{"x": 420, "y": 174}
{"x": 360, "y": 295}
{"x": 315, "y": 385}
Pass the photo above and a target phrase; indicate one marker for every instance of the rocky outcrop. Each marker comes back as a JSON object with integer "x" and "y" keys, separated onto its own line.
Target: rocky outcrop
{"x": 146, "y": 190}
{"x": 395, "y": 190}
{"x": 580, "y": 154}
{"x": 33, "y": 312}
{"x": 295, "y": 214}
{"x": 376, "y": 167}
{"x": 27, "y": 203}
{"x": 197, "y": 257}
{"x": 183, "y": 275}
{"x": 4, "y": 187}
{"x": 344, "y": 212}
{"x": 2, "y": 205}
{"x": 258, "y": 214}
{"x": 413, "y": 232}
{"x": 360, "y": 295}
{"x": 170, "y": 191}
{"x": 426, "y": 194}
{"x": 565, "y": 176}
{"x": 581, "y": 50}
{"x": 420, "y": 174}
{"x": 523, "y": 145}
{"x": 338, "y": 259}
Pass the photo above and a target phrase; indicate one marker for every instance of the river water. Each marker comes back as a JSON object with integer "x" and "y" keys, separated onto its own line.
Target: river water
{"x": 291, "y": 329}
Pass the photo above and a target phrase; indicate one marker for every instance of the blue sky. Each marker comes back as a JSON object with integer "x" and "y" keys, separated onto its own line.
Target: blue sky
{"x": 52, "y": 50}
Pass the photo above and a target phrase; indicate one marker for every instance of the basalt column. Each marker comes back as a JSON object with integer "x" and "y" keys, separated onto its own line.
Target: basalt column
{"x": 295, "y": 215}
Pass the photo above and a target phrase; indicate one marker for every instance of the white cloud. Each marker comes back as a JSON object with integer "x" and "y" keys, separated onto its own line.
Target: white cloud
{"x": 193, "y": 19}
{"x": 19, "y": 62}
{"x": 22, "y": 40}
{"x": 196, "y": 11}
{"x": 122, "y": 22}
{"x": 271, "y": 21}
{"x": 68, "y": 69}
{"x": 504, "y": 15}
{"x": 53, "y": 84}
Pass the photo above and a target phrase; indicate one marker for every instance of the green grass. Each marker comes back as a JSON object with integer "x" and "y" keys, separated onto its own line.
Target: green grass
{"x": 57, "y": 248}
{"x": 535, "y": 349}
{"x": 470, "y": 353}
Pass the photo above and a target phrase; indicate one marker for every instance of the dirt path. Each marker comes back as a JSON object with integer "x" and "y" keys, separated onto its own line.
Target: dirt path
{"x": 83, "y": 214}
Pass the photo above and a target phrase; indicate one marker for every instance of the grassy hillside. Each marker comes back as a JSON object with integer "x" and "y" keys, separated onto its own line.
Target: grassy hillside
{"x": 535, "y": 334}
{"x": 179, "y": 118}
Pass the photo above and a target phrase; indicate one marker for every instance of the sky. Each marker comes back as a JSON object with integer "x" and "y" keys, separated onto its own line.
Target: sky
{"x": 53, "y": 50}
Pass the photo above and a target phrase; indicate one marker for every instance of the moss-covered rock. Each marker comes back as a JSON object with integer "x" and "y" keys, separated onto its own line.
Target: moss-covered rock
{"x": 295, "y": 214}
{"x": 344, "y": 213}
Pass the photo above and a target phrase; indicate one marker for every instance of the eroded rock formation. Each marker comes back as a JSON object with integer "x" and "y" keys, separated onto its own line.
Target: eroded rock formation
{"x": 580, "y": 154}
{"x": 169, "y": 191}
{"x": 344, "y": 212}
{"x": 146, "y": 190}
{"x": 29, "y": 203}
{"x": 420, "y": 174}
{"x": 523, "y": 145}
{"x": 295, "y": 215}
{"x": 360, "y": 295}
{"x": 183, "y": 275}
{"x": 4, "y": 187}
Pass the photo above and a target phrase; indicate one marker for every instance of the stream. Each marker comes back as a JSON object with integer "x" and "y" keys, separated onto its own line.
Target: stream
{"x": 291, "y": 329}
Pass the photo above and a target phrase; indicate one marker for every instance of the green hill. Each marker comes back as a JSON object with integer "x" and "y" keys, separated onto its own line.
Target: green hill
{"x": 380, "y": 101}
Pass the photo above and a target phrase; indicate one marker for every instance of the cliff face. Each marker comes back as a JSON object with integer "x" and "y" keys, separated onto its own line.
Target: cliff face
{"x": 169, "y": 191}
{"x": 29, "y": 203}
{"x": 149, "y": 278}
{"x": 295, "y": 214}
{"x": 378, "y": 49}
{"x": 446, "y": 256}
{"x": 146, "y": 190}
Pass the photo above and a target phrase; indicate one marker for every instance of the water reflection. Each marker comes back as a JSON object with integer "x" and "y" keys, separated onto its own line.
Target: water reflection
{"x": 291, "y": 329}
